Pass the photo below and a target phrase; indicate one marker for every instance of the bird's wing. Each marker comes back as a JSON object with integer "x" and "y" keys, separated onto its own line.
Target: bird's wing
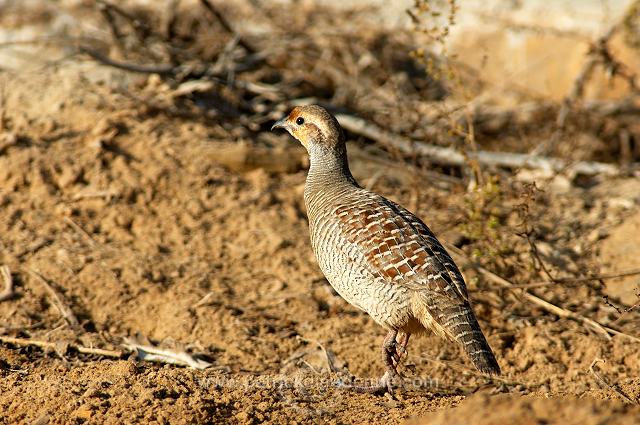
{"x": 399, "y": 248}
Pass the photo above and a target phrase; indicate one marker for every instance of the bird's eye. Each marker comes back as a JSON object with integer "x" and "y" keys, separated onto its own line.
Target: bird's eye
{"x": 300, "y": 121}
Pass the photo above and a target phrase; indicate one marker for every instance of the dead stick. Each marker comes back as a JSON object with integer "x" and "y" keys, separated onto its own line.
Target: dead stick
{"x": 577, "y": 279}
{"x": 330, "y": 357}
{"x": 161, "y": 69}
{"x": 226, "y": 25}
{"x": 450, "y": 156}
{"x": 8, "y": 291}
{"x": 57, "y": 298}
{"x": 142, "y": 30}
{"x": 116, "y": 35}
{"x": 34, "y": 247}
{"x": 597, "y": 54}
{"x": 172, "y": 71}
{"x": 52, "y": 346}
{"x": 155, "y": 354}
{"x": 604, "y": 382}
{"x": 80, "y": 230}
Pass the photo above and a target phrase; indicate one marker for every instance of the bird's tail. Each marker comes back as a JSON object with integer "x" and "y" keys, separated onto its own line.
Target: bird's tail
{"x": 457, "y": 322}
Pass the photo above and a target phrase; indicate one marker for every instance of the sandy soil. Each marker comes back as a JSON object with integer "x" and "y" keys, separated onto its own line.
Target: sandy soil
{"x": 191, "y": 235}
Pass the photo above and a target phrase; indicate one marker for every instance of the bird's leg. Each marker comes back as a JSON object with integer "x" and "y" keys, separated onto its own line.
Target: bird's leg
{"x": 401, "y": 347}
{"x": 386, "y": 381}
{"x": 389, "y": 347}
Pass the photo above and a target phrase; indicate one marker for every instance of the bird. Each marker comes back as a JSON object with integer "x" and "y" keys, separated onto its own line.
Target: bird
{"x": 379, "y": 256}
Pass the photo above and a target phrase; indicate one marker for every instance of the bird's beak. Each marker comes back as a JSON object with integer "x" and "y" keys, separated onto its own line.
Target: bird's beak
{"x": 282, "y": 123}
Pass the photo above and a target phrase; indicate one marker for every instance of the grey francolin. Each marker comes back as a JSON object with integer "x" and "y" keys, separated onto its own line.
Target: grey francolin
{"x": 378, "y": 256}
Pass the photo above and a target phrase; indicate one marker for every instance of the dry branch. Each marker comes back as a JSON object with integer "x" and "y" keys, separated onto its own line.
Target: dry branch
{"x": 47, "y": 345}
{"x": 116, "y": 34}
{"x": 138, "y": 25}
{"x": 144, "y": 352}
{"x": 329, "y": 355}
{"x": 602, "y": 381}
{"x": 226, "y": 25}
{"x": 33, "y": 247}
{"x": 598, "y": 54}
{"x": 80, "y": 230}
{"x": 188, "y": 72}
{"x": 58, "y": 300}
{"x": 161, "y": 69}
{"x": 8, "y": 292}
{"x": 154, "y": 354}
{"x": 449, "y": 156}
{"x": 578, "y": 279}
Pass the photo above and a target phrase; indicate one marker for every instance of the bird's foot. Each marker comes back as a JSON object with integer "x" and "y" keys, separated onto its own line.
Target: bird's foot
{"x": 399, "y": 349}
{"x": 397, "y": 355}
{"x": 392, "y": 359}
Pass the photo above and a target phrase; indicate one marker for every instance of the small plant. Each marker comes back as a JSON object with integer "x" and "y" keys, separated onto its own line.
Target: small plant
{"x": 483, "y": 223}
{"x": 432, "y": 20}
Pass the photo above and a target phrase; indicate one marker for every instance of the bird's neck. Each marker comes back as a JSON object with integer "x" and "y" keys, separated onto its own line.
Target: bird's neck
{"x": 329, "y": 166}
{"x": 329, "y": 176}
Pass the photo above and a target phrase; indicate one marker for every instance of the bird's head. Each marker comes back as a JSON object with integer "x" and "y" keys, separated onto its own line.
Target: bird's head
{"x": 314, "y": 127}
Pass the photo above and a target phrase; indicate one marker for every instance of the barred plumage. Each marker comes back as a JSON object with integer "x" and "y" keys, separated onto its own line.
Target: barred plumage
{"x": 379, "y": 256}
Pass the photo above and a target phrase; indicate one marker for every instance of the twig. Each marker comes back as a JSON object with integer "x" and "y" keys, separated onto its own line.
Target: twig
{"x": 577, "y": 89}
{"x": 606, "y": 108}
{"x": 172, "y": 19}
{"x": 450, "y": 156}
{"x": 329, "y": 355}
{"x": 598, "y": 54}
{"x": 602, "y": 381}
{"x": 154, "y": 354}
{"x": 8, "y": 292}
{"x": 577, "y": 279}
{"x": 226, "y": 25}
{"x": 546, "y": 305}
{"x": 88, "y": 194}
{"x": 144, "y": 352}
{"x": 80, "y": 230}
{"x": 161, "y": 69}
{"x": 534, "y": 252}
{"x": 34, "y": 247}
{"x": 116, "y": 35}
{"x": 620, "y": 311}
{"x": 57, "y": 298}
{"x": 184, "y": 72}
{"x": 204, "y": 300}
{"x": 54, "y": 346}
{"x": 142, "y": 30}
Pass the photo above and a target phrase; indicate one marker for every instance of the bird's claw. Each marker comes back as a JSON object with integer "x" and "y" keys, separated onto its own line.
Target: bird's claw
{"x": 398, "y": 355}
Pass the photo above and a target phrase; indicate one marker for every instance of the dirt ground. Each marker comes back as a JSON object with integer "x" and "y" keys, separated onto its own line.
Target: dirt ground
{"x": 191, "y": 235}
